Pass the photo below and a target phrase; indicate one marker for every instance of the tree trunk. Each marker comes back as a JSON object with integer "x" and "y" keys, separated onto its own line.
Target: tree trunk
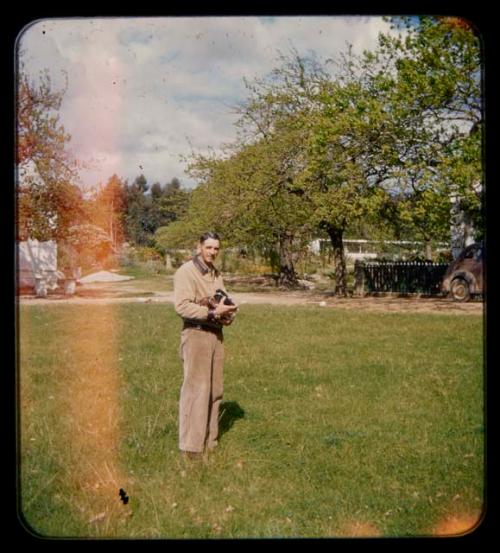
{"x": 168, "y": 262}
{"x": 336, "y": 235}
{"x": 428, "y": 250}
{"x": 287, "y": 276}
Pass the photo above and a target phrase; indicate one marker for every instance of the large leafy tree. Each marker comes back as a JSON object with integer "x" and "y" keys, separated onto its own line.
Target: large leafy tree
{"x": 250, "y": 196}
{"x": 48, "y": 199}
{"x": 399, "y": 127}
{"x": 429, "y": 84}
{"x": 332, "y": 130}
{"x": 343, "y": 177}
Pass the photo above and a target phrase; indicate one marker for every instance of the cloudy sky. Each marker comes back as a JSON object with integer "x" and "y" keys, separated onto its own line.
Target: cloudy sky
{"x": 144, "y": 91}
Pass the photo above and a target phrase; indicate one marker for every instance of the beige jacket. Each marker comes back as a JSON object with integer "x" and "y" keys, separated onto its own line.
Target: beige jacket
{"x": 193, "y": 281}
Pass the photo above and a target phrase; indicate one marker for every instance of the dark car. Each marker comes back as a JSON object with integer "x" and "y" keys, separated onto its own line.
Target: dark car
{"x": 464, "y": 276}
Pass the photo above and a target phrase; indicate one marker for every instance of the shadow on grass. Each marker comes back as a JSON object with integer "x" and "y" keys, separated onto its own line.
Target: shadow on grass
{"x": 230, "y": 412}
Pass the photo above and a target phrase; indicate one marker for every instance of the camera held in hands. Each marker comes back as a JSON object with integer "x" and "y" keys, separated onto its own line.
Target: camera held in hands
{"x": 213, "y": 301}
{"x": 221, "y": 295}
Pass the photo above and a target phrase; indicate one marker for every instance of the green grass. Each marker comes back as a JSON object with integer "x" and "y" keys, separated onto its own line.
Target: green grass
{"x": 146, "y": 281}
{"x": 329, "y": 417}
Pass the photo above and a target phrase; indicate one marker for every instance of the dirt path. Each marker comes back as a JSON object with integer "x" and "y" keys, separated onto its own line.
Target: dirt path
{"x": 111, "y": 293}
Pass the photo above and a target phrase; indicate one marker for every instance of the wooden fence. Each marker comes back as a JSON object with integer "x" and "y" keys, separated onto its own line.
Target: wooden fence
{"x": 403, "y": 277}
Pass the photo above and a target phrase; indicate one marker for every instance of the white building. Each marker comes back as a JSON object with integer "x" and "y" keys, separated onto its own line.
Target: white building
{"x": 37, "y": 261}
{"x": 461, "y": 228}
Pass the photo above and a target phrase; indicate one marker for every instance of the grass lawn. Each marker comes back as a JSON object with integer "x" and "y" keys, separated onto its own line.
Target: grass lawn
{"x": 334, "y": 423}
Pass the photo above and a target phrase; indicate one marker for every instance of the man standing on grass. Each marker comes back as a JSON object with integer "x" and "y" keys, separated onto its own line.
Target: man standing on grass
{"x": 196, "y": 283}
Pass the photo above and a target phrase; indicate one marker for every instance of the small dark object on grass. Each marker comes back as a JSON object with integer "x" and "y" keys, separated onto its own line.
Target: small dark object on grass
{"x": 123, "y": 495}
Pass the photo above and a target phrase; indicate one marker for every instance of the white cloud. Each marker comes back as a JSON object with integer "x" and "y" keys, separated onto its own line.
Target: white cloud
{"x": 143, "y": 90}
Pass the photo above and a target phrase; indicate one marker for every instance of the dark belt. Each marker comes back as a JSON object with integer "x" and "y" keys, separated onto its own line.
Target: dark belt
{"x": 199, "y": 326}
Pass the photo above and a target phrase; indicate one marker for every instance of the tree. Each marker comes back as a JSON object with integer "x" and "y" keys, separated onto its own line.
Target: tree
{"x": 272, "y": 202}
{"x": 174, "y": 237}
{"x": 248, "y": 196}
{"x": 156, "y": 191}
{"x": 301, "y": 100}
{"x": 430, "y": 83}
{"x": 399, "y": 126}
{"x": 137, "y": 223}
{"x": 85, "y": 245}
{"x": 343, "y": 180}
{"x": 173, "y": 203}
{"x": 108, "y": 209}
{"x": 48, "y": 199}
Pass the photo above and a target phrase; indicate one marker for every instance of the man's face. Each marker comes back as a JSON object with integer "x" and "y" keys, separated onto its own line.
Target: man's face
{"x": 209, "y": 250}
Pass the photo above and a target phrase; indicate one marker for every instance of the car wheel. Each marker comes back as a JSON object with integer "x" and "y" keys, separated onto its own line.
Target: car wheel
{"x": 460, "y": 290}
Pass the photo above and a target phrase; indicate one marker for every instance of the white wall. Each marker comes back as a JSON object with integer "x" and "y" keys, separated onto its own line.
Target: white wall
{"x": 37, "y": 259}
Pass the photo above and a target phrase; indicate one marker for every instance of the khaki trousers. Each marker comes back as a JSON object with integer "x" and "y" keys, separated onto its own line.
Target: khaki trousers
{"x": 202, "y": 353}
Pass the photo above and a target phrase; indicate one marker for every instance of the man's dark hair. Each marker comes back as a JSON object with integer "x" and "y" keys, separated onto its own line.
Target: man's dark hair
{"x": 207, "y": 235}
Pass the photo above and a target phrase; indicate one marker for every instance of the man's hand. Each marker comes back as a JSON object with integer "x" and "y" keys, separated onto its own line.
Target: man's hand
{"x": 222, "y": 310}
